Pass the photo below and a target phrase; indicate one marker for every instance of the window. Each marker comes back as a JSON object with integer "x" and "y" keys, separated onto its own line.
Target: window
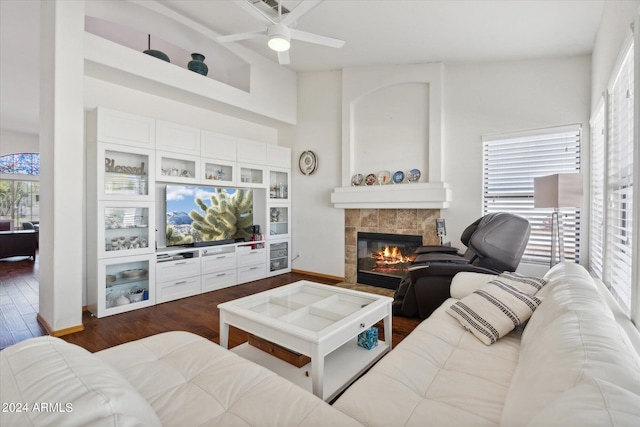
{"x": 616, "y": 169}
{"x": 511, "y": 162}
{"x": 597, "y": 240}
{"x": 20, "y": 164}
{"x": 20, "y": 199}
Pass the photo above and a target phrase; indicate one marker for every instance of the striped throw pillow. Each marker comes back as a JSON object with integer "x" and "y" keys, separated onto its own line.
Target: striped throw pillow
{"x": 494, "y": 310}
{"x": 530, "y": 285}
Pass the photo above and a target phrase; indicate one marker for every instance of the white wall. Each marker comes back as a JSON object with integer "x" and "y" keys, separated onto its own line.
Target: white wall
{"x": 391, "y": 129}
{"x": 614, "y": 29}
{"x": 492, "y": 98}
{"x": 318, "y": 228}
{"x": 479, "y": 99}
{"x": 12, "y": 142}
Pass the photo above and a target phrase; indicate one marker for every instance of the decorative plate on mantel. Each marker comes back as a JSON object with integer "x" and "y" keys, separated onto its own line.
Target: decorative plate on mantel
{"x": 413, "y": 175}
{"x": 370, "y": 180}
{"x": 384, "y": 177}
{"x": 398, "y": 177}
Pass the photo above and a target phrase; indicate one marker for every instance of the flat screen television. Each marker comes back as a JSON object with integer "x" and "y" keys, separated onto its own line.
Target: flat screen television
{"x": 198, "y": 215}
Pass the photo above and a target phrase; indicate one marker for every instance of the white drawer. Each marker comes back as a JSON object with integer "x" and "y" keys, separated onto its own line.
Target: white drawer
{"x": 252, "y": 257}
{"x": 169, "y": 291}
{"x": 173, "y": 270}
{"x": 216, "y": 263}
{"x": 219, "y": 280}
{"x": 364, "y": 322}
{"x": 248, "y": 274}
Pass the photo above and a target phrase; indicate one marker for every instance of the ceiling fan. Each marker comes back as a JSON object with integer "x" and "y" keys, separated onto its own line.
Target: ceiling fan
{"x": 279, "y": 29}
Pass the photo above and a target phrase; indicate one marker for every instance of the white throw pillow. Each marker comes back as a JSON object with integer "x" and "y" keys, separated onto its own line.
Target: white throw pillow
{"x": 494, "y": 310}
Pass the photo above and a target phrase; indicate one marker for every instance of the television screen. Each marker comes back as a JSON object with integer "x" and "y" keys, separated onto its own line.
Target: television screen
{"x": 207, "y": 214}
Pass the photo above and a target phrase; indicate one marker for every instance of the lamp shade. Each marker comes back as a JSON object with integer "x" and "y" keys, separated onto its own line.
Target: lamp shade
{"x": 561, "y": 190}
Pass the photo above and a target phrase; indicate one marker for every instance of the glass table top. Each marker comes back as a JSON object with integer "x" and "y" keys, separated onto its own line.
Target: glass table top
{"x": 307, "y": 305}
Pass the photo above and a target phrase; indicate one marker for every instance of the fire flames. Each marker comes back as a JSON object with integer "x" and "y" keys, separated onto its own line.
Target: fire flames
{"x": 389, "y": 256}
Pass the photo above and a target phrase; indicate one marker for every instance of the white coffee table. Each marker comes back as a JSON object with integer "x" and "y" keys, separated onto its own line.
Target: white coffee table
{"x": 317, "y": 320}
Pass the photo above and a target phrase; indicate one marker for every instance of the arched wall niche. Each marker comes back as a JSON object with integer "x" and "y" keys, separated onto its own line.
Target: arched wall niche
{"x": 391, "y": 129}
{"x": 392, "y": 119}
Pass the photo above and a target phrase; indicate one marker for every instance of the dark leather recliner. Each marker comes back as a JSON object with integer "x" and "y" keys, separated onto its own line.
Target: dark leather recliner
{"x": 495, "y": 243}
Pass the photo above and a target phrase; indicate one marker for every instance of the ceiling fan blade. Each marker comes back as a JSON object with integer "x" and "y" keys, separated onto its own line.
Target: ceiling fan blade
{"x": 254, "y": 11}
{"x": 316, "y": 38}
{"x": 283, "y": 58}
{"x": 240, "y": 36}
{"x": 302, "y": 8}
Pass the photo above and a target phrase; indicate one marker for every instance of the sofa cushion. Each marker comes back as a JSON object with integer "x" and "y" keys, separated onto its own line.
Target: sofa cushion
{"x": 439, "y": 375}
{"x": 573, "y": 353}
{"x": 493, "y": 310}
{"x": 190, "y": 380}
{"x": 592, "y": 402}
{"x": 76, "y": 387}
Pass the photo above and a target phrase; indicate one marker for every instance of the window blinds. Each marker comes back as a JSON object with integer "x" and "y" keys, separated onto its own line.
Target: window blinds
{"x": 597, "y": 187}
{"x": 511, "y": 161}
{"x": 619, "y": 208}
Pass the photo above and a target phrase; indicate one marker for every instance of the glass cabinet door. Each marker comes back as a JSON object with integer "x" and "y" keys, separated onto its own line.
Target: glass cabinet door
{"x": 126, "y": 284}
{"x": 279, "y": 220}
{"x": 251, "y": 176}
{"x": 126, "y": 174}
{"x": 218, "y": 172}
{"x": 279, "y": 259}
{"x": 172, "y": 167}
{"x": 279, "y": 184}
{"x": 128, "y": 228}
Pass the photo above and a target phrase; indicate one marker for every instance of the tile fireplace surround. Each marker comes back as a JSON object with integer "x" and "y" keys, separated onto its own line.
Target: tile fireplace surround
{"x": 396, "y": 221}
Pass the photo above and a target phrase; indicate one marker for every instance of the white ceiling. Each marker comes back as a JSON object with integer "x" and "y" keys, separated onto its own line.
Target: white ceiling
{"x": 375, "y": 31}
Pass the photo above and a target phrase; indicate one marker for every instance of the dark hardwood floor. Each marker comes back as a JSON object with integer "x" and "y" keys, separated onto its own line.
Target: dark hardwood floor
{"x": 197, "y": 314}
{"x": 18, "y": 300}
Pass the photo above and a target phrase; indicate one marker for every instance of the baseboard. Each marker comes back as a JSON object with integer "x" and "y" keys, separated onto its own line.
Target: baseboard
{"x": 324, "y": 276}
{"x": 61, "y": 332}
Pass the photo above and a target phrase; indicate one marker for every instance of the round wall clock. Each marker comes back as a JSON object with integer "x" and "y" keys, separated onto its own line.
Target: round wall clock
{"x": 308, "y": 162}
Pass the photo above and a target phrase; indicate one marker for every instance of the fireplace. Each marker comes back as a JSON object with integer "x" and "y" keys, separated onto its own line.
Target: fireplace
{"x": 383, "y": 258}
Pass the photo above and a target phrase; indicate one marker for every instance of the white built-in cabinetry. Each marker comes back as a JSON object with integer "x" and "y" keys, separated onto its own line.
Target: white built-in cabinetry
{"x": 279, "y": 210}
{"x": 120, "y": 213}
{"x": 128, "y": 157}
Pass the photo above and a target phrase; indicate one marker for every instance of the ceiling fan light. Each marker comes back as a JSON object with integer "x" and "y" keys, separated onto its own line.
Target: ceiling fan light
{"x": 279, "y": 43}
{"x": 279, "y": 37}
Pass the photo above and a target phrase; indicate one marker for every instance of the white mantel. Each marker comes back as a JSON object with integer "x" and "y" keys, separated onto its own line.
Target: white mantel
{"x": 392, "y": 120}
{"x": 432, "y": 195}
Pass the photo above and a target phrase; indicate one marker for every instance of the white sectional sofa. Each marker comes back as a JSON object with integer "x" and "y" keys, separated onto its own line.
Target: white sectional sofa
{"x": 572, "y": 365}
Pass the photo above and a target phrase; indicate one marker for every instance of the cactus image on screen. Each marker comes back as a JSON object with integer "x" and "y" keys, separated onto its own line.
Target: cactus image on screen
{"x": 213, "y": 214}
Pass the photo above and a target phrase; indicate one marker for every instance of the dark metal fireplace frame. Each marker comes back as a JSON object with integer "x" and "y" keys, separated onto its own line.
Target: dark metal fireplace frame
{"x": 381, "y": 280}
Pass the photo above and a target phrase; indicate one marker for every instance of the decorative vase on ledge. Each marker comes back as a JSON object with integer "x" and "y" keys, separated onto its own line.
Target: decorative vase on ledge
{"x": 197, "y": 65}
{"x": 155, "y": 53}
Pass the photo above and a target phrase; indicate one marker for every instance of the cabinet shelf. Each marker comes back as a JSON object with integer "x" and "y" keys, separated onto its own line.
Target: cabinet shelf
{"x": 127, "y": 228}
{"x": 127, "y": 281}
